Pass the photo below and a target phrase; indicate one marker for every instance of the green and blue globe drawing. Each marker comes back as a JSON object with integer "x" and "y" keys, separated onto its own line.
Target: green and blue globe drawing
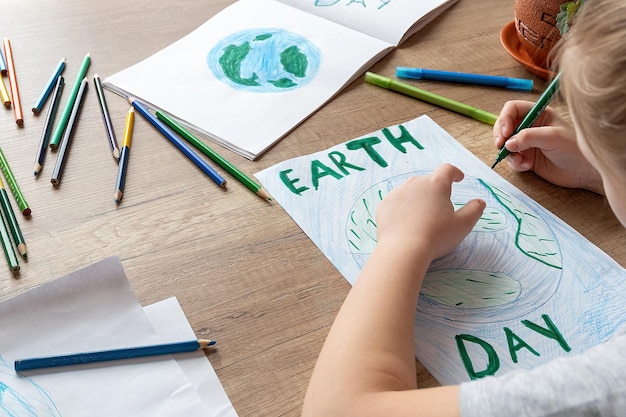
{"x": 473, "y": 283}
{"x": 264, "y": 60}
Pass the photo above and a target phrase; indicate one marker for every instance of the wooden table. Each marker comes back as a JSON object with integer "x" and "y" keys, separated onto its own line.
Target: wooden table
{"x": 243, "y": 271}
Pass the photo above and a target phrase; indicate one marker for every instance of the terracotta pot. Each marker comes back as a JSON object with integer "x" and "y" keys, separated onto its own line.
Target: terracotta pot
{"x": 535, "y": 22}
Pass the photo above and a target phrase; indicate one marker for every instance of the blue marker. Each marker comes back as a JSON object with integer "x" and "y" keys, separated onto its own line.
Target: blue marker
{"x": 461, "y": 77}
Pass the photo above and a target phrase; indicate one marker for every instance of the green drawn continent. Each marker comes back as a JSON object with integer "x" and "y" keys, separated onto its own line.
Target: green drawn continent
{"x": 492, "y": 219}
{"x": 464, "y": 288}
{"x": 533, "y": 237}
{"x": 294, "y": 62}
{"x": 362, "y": 222}
{"x": 231, "y": 60}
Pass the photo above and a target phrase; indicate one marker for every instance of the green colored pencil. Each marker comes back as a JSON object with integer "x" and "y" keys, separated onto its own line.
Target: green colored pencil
{"x": 9, "y": 215}
{"x": 62, "y": 124}
{"x": 7, "y": 245}
{"x": 202, "y": 147}
{"x": 15, "y": 189}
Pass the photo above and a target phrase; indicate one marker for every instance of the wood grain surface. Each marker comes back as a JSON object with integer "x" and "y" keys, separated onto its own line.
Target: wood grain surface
{"x": 243, "y": 271}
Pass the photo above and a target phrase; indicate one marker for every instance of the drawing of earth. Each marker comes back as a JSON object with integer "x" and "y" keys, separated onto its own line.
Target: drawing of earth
{"x": 473, "y": 283}
{"x": 264, "y": 60}
{"x": 22, "y": 397}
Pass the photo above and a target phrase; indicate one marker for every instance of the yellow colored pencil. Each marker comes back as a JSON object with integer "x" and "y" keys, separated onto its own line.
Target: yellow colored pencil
{"x": 4, "y": 94}
{"x": 124, "y": 154}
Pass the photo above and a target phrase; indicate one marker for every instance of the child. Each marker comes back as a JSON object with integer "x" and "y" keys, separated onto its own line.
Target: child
{"x": 366, "y": 367}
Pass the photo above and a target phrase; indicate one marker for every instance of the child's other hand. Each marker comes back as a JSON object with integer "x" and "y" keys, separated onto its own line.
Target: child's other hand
{"x": 418, "y": 216}
{"x": 549, "y": 148}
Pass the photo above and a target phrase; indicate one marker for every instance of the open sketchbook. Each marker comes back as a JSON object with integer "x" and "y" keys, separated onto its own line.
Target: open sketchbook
{"x": 520, "y": 290}
{"x": 257, "y": 69}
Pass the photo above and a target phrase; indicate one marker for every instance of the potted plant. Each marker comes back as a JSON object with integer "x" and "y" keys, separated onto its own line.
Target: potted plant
{"x": 540, "y": 24}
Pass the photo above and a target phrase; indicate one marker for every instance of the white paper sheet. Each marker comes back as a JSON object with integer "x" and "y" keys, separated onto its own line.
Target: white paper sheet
{"x": 170, "y": 322}
{"x": 522, "y": 288}
{"x": 91, "y": 309}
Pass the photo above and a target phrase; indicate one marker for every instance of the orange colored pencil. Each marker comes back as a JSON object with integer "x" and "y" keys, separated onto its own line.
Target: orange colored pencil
{"x": 15, "y": 93}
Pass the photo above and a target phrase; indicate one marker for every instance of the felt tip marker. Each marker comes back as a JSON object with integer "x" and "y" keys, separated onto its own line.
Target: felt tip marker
{"x": 432, "y": 98}
{"x": 532, "y": 116}
{"x": 465, "y": 78}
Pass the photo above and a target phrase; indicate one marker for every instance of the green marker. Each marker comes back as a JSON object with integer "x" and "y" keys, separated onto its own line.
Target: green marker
{"x": 58, "y": 133}
{"x": 532, "y": 115}
{"x": 432, "y": 98}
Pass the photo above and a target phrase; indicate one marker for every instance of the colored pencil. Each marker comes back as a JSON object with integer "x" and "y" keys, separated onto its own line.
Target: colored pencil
{"x": 49, "y": 86}
{"x": 13, "y": 185}
{"x": 47, "y": 129}
{"x": 124, "y": 155}
{"x": 432, "y": 98}
{"x": 4, "y": 94}
{"x": 181, "y": 145}
{"x": 7, "y": 246}
{"x": 15, "y": 92}
{"x": 9, "y": 215}
{"x": 3, "y": 64}
{"x": 112, "y": 355}
{"x": 106, "y": 118}
{"x": 217, "y": 158}
{"x": 68, "y": 134}
{"x": 69, "y": 105}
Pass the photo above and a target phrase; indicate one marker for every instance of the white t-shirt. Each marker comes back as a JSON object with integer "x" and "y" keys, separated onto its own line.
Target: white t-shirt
{"x": 589, "y": 384}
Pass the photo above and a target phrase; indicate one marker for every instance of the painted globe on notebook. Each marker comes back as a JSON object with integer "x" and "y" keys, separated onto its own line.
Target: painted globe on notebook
{"x": 264, "y": 60}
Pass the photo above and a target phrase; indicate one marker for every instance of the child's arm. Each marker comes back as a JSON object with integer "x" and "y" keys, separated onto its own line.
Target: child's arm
{"x": 549, "y": 148}
{"x": 367, "y": 365}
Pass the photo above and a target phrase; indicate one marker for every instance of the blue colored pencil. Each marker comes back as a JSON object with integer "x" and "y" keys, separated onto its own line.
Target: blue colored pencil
{"x": 68, "y": 134}
{"x": 3, "y": 64}
{"x": 179, "y": 143}
{"x": 111, "y": 355}
{"x": 47, "y": 129}
{"x": 49, "y": 85}
{"x": 4, "y": 94}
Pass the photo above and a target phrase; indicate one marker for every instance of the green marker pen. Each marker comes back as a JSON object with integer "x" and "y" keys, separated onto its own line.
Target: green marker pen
{"x": 532, "y": 115}
{"x": 432, "y": 98}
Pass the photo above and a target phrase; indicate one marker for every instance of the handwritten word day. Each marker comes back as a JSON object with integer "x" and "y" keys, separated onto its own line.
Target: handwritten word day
{"x": 379, "y": 4}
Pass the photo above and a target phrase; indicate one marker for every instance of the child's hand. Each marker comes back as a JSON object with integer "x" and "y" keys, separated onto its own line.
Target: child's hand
{"x": 549, "y": 148}
{"x": 419, "y": 216}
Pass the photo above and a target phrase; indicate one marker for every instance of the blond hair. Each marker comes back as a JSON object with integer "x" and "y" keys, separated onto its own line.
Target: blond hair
{"x": 592, "y": 61}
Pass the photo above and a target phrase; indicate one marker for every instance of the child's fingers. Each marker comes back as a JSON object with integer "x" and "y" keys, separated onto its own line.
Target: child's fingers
{"x": 469, "y": 214}
{"x": 511, "y": 114}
